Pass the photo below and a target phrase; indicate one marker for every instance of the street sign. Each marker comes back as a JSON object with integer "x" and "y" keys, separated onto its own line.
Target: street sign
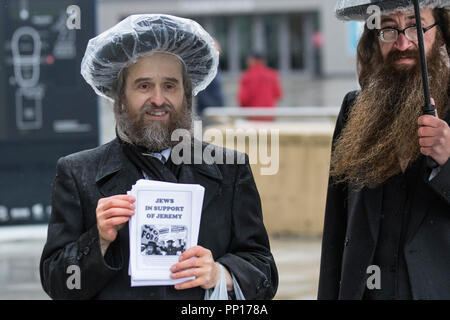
{"x": 46, "y": 108}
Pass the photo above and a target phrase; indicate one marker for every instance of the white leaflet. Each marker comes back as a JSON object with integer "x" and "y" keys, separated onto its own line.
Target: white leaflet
{"x": 166, "y": 223}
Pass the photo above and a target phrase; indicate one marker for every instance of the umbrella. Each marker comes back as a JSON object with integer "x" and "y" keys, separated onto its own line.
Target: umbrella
{"x": 358, "y": 10}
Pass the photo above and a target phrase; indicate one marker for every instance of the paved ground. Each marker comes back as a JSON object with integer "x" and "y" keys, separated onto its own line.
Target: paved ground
{"x": 297, "y": 260}
{"x": 19, "y": 270}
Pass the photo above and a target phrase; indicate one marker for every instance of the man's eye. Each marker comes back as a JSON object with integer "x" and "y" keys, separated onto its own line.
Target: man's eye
{"x": 169, "y": 86}
{"x": 143, "y": 86}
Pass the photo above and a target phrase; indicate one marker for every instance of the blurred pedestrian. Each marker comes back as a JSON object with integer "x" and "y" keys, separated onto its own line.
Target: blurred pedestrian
{"x": 259, "y": 85}
{"x": 212, "y": 95}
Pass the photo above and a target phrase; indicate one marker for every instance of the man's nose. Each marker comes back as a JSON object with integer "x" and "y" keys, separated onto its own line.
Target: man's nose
{"x": 157, "y": 97}
{"x": 402, "y": 42}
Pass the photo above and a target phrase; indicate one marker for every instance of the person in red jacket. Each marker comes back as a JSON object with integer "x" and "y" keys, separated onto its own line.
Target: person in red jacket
{"x": 259, "y": 85}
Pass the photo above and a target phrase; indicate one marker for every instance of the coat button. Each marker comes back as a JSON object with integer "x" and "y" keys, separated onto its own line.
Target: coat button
{"x": 86, "y": 251}
{"x": 347, "y": 240}
{"x": 266, "y": 283}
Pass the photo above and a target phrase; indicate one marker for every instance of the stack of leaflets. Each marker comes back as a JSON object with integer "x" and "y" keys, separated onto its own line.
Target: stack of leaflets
{"x": 166, "y": 223}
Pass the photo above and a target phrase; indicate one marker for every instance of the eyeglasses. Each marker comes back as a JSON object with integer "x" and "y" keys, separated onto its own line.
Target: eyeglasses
{"x": 391, "y": 34}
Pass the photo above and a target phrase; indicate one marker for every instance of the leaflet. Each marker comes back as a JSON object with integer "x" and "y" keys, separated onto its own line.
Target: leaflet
{"x": 166, "y": 223}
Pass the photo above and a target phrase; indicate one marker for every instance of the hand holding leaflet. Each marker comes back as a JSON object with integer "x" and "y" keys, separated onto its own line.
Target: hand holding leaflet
{"x": 165, "y": 224}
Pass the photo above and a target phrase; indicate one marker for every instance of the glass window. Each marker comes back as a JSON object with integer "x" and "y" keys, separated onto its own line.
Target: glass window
{"x": 221, "y": 35}
{"x": 271, "y": 40}
{"x": 245, "y": 40}
{"x": 296, "y": 42}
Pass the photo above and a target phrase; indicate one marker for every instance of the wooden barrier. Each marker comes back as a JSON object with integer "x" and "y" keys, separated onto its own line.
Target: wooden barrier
{"x": 293, "y": 199}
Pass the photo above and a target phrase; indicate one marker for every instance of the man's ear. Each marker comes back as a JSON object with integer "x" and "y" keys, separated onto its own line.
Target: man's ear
{"x": 119, "y": 104}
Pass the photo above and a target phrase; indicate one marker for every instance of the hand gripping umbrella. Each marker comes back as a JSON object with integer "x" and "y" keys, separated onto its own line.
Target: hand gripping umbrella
{"x": 358, "y": 10}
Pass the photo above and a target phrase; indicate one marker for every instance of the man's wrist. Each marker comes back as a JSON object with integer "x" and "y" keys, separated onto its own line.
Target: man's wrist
{"x": 104, "y": 244}
{"x": 228, "y": 278}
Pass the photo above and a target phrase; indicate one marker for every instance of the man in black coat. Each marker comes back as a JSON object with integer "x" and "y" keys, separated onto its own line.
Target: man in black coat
{"x": 387, "y": 220}
{"x": 166, "y": 60}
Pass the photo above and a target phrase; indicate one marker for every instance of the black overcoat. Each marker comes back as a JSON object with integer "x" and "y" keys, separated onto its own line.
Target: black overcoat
{"x": 352, "y": 221}
{"x": 231, "y": 227}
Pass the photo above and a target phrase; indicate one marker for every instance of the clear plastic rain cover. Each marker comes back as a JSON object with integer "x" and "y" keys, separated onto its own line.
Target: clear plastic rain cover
{"x": 140, "y": 35}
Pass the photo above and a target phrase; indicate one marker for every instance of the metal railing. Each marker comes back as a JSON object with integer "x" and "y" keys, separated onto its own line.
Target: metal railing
{"x": 298, "y": 113}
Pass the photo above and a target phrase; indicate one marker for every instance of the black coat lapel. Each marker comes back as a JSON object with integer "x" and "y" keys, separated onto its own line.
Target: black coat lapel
{"x": 205, "y": 175}
{"x": 420, "y": 201}
{"x": 373, "y": 200}
{"x": 116, "y": 174}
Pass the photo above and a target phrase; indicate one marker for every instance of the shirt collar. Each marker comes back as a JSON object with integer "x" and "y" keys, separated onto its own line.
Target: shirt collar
{"x": 162, "y": 156}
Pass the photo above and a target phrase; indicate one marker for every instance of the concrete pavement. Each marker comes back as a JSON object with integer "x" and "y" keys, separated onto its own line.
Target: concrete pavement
{"x": 19, "y": 270}
{"x": 298, "y": 261}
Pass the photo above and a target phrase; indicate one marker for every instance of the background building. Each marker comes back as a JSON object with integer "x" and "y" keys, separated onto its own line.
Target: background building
{"x": 283, "y": 29}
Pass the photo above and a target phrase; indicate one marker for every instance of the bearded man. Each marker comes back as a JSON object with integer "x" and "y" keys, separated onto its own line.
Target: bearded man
{"x": 387, "y": 220}
{"x": 151, "y": 66}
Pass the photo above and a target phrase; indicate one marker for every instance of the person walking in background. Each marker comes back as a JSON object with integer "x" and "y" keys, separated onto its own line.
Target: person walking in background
{"x": 212, "y": 95}
{"x": 259, "y": 85}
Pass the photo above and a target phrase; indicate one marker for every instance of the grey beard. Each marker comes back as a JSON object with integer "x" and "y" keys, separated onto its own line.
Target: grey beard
{"x": 155, "y": 136}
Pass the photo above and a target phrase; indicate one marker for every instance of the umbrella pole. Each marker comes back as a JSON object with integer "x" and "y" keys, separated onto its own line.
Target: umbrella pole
{"x": 428, "y": 108}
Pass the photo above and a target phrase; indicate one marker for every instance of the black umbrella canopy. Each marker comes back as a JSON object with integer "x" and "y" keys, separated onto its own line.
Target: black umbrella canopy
{"x": 357, "y": 9}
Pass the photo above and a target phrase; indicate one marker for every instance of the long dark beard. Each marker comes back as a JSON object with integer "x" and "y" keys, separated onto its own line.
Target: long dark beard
{"x": 154, "y": 135}
{"x": 381, "y": 132}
